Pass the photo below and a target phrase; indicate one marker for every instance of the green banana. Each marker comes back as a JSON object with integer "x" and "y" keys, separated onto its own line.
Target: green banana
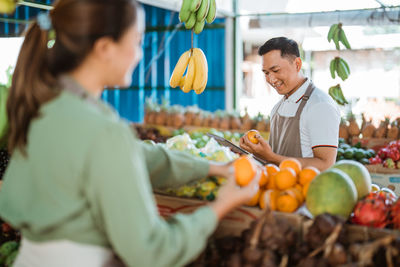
{"x": 332, "y": 29}
{"x": 11, "y": 258}
{"x": 6, "y": 249}
{"x": 335, "y": 37}
{"x": 343, "y": 39}
{"x": 191, "y": 21}
{"x": 184, "y": 13}
{"x": 195, "y": 5}
{"x": 202, "y": 12}
{"x": 198, "y": 26}
{"x": 212, "y": 12}
{"x": 336, "y": 93}
{"x": 346, "y": 66}
{"x": 342, "y": 72}
{"x": 332, "y": 68}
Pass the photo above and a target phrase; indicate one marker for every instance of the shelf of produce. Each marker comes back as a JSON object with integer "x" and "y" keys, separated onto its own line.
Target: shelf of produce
{"x": 374, "y": 143}
{"x": 168, "y": 131}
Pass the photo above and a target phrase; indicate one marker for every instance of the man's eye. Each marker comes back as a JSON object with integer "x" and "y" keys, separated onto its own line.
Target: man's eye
{"x": 275, "y": 71}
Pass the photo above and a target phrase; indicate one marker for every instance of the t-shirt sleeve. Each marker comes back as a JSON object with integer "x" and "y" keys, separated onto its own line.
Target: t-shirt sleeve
{"x": 322, "y": 123}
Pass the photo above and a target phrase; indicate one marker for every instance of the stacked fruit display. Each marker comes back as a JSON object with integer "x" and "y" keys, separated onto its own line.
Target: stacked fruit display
{"x": 350, "y": 129}
{"x": 179, "y": 116}
{"x": 274, "y": 240}
{"x": 389, "y": 156}
{"x": 356, "y": 152}
{"x": 282, "y": 188}
{"x": 195, "y": 13}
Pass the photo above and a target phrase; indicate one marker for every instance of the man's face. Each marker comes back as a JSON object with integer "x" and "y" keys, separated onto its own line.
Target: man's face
{"x": 281, "y": 72}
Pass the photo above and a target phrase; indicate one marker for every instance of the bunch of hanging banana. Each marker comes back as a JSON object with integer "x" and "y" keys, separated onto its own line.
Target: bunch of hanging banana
{"x": 340, "y": 66}
{"x": 195, "y": 13}
{"x": 336, "y": 93}
{"x": 336, "y": 33}
{"x": 7, "y": 6}
{"x": 195, "y": 63}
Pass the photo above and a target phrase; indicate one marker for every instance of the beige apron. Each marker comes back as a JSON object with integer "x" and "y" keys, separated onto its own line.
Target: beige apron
{"x": 65, "y": 253}
{"x": 285, "y": 133}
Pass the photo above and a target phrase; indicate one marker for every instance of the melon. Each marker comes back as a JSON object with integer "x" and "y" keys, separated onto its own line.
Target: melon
{"x": 358, "y": 173}
{"x": 332, "y": 192}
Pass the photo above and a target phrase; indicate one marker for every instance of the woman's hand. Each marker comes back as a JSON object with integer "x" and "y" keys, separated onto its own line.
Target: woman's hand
{"x": 231, "y": 195}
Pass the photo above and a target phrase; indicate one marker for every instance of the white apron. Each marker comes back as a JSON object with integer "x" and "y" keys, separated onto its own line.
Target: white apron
{"x": 64, "y": 253}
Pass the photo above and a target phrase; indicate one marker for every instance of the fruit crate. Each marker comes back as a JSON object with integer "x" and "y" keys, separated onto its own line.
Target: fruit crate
{"x": 373, "y": 143}
{"x": 385, "y": 177}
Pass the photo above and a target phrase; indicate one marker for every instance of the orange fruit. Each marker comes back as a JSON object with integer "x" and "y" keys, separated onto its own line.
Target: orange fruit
{"x": 264, "y": 177}
{"x": 299, "y": 187}
{"x": 271, "y": 169}
{"x": 252, "y": 136}
{"x": 298, "y": 194}
{"x": 254, "y": 200}
{"x": 285, "y": 179}
{"x": 287, "y": 203}
{"x": 268, "y": 199}
{"x": 271, "y": 181}
{"x": 291, "y": 163}
{"x": 307, "y": 174}
{"x": 244, "y": 170}
{"x": 305, "y": 189}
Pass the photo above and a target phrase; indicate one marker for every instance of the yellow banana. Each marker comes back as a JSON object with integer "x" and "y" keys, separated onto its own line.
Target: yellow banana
{"x": 189, "y": 78}
{"x": 201, "y": 76}
{"x": 179, "y": 69}
{"x": 182, "y": 82}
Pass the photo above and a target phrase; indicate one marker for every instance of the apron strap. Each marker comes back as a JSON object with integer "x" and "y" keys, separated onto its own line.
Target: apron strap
{"x": 304, "y": 99}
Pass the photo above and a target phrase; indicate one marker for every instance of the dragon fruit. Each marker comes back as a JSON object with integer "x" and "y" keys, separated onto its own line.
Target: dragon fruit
{"x": 373, "y": 210}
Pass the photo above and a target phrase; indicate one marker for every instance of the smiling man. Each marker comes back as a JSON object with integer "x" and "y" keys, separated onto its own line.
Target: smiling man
{"x": 305, "y": 122}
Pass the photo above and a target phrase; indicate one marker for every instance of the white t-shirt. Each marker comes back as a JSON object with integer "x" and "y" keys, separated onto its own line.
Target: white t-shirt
{"x": 319, "y": 121}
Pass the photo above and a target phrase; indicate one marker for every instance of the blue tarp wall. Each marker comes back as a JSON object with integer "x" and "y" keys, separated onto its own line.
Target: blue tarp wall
{"x": 163, "y": 44}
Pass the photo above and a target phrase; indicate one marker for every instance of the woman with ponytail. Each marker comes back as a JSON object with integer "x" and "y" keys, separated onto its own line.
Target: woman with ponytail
{"x": 79, "y": 183}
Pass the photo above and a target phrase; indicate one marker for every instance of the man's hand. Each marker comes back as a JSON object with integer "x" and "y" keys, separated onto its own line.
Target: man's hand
{"x": 261, "y": 149}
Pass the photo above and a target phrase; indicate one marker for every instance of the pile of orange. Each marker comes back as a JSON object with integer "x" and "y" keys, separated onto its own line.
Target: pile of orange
{"x": 286, "y": 186}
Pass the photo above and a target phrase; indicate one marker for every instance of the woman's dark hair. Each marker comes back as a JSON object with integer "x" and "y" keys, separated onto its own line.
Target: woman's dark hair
{"x": 288, "y": 47}
{"x": 77, "y": 25}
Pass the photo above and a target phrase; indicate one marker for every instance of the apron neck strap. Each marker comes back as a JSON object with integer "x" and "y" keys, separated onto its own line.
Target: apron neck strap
{"x": 304, "y": 99}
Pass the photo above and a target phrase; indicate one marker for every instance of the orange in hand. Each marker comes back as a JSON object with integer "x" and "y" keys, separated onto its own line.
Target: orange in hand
{"x": 264, "y": 177}
{"x": 254, "y": 200}
{"x": 268, "y": 199}
{"x": 245, "y": 170}
{"x": 285, "y": 179}
{"x": 307, "y": 174}
{"x": 252, "y": 136}
{"x": 291, "y": 163}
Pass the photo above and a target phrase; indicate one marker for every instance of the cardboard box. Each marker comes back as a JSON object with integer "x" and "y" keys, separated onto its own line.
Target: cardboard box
{"x": 385, "y": 177}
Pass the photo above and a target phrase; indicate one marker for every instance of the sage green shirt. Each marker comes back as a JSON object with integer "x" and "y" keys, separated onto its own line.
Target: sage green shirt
{"x": 88, "y": 179}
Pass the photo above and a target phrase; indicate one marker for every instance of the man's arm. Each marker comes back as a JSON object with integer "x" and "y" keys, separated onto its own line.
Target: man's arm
{"x": 324, "y": 157}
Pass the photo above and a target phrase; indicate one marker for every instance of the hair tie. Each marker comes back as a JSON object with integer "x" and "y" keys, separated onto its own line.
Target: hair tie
{"x": 44, "y": 23}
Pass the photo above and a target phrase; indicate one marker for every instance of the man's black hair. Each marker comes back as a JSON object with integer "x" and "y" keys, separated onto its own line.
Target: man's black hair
{"x": 288, "y": 47}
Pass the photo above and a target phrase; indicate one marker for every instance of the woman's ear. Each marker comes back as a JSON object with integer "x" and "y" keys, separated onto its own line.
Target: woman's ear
{"x": 103, "y": 49}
